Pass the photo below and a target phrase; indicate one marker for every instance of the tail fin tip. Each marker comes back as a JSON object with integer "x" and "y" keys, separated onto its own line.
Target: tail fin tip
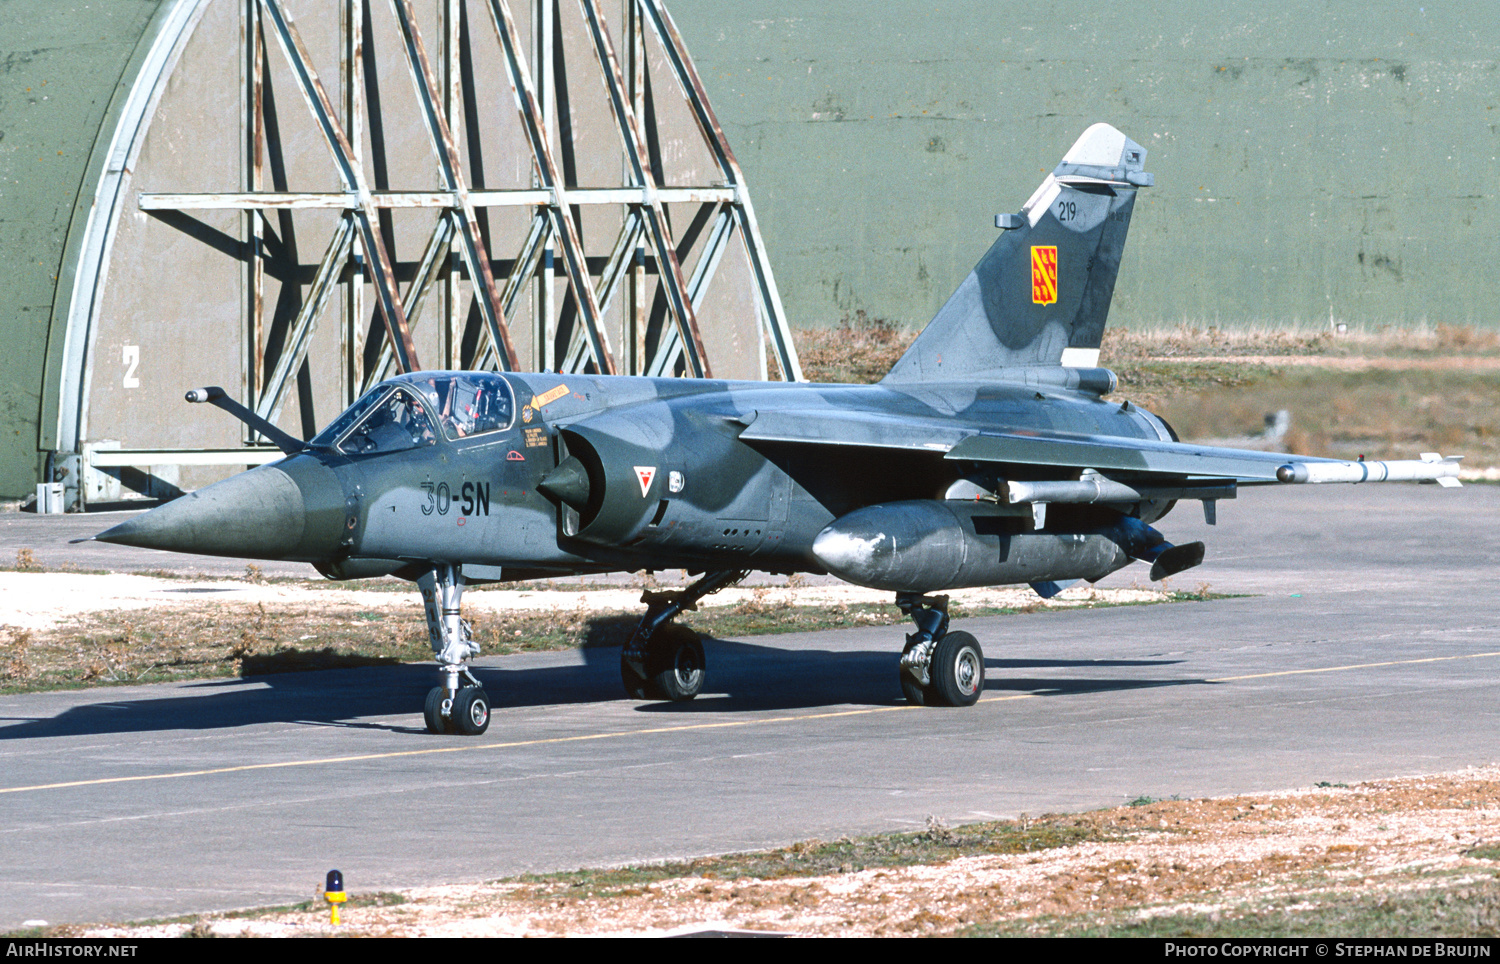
{"x": 1041, "y": 294}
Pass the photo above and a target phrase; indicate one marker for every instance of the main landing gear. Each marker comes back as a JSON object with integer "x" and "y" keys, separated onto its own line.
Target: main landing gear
{"x": 450, "y": 707}
{"x": 938, "y": 668}
{"x": 664, "y": 661}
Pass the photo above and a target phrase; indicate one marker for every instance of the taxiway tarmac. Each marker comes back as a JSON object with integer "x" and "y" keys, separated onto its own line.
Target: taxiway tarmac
{"x": 1371, "y": 647}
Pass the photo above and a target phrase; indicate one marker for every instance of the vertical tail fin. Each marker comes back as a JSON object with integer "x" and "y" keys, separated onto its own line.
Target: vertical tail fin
{"x": 1041, "y": 294}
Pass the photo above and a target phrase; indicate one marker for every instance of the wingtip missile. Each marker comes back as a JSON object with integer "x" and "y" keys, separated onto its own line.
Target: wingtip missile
{"x": 1431, "y": 467}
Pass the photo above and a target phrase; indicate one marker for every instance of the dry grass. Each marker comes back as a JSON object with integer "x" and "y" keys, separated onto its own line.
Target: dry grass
{"x": 1201, "y": 341}
{"x": 158, "y": 645}
{"x": 207, "y": 640}
{"x": 1395, "y": 412}
{"x": 175, "y": 643}
{"x": 1122, "y": 346}
{"x": 1406, "y": 857}
{"x": 1382, "y": 414}
{"x": 860, "y": 350}
{"x": 1212, "y": 382}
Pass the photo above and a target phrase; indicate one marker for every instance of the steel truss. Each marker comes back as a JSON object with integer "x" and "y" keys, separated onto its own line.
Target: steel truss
{"x": 357, "y": 255}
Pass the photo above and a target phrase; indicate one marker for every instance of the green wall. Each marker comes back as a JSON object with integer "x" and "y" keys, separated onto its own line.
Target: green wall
{"x": 60, "y": 65}
{"x": 1311, "y": 158}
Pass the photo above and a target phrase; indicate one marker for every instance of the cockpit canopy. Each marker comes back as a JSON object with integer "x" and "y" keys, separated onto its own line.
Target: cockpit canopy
{"x": 408, "y": 411}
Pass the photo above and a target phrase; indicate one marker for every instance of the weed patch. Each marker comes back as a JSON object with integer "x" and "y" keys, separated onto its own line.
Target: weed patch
{"x": 816, "y": 858}
{"x": 1436, "y": 908}
{"x": 252, "y": 639}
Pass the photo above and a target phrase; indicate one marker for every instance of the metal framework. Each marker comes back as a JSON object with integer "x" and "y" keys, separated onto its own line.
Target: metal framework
{"x": 459, "y": 257}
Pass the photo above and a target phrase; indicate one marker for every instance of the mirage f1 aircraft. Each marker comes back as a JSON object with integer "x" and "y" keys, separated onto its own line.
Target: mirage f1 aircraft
{"x": 988, "y": 456}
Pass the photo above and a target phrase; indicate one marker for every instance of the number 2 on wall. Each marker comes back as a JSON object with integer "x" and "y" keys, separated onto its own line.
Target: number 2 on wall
{"x": 132, "y": 354}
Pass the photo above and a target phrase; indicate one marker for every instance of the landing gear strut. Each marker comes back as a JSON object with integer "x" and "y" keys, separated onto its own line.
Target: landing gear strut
{"x": 451, "y": 708}
{"x": 938, "y": 668}
{"x": 664, "y": 661}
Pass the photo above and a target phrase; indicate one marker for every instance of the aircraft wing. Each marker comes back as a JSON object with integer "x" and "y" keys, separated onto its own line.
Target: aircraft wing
{"x": 1113, "y": 453}
{"x": 839, "y": 427}
{"x": 1065, "y": 450}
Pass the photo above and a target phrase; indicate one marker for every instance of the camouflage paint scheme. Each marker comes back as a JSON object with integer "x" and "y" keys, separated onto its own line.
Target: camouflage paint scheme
{"x": 988, "y": 455}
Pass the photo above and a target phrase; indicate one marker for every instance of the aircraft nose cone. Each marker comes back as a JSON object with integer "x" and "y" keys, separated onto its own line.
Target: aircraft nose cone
{"x": 259, "y": 514}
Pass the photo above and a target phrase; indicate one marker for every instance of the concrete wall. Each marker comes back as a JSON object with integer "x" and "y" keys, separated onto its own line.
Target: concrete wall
{"x": 1337, "y": 157}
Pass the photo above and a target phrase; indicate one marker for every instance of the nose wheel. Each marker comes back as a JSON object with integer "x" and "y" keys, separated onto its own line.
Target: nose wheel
{"x": 467, "y": 713}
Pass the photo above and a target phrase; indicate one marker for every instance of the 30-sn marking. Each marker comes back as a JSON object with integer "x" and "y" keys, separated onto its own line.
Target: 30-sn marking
{"x": 473, "y": 498}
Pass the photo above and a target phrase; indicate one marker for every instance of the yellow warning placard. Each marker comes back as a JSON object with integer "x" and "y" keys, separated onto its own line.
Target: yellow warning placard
{"x": 553, "y": 394}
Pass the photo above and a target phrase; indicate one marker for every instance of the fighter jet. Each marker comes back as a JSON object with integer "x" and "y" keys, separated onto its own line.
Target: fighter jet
{"x": 991, "y": 454}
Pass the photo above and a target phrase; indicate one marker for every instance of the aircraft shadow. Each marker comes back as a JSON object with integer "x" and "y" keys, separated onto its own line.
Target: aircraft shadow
{"x": 745, "y": 677}
{"x": 741, "y": 677}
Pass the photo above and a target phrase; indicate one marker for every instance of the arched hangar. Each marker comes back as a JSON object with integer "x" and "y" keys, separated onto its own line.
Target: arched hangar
{"x": 294, "y": 199}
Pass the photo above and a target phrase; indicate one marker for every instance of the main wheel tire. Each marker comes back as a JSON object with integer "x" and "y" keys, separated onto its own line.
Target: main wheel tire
{"x": 957, "y": 671}
{"x": 675, "y": 664}
{"x": 471, "y": 711}
{"x": 432, "y": 711}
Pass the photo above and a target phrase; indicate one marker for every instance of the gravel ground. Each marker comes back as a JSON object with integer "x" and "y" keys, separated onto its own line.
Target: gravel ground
{"x": 42, "y": 600}
{"x": 1222, "y": 856}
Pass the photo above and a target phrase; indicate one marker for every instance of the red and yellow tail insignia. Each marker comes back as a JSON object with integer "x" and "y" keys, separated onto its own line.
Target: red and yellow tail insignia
{"x": 1044, "y": 274}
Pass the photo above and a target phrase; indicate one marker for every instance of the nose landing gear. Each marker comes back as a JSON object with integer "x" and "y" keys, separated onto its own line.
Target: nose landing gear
{"x": 451, "y": 708}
